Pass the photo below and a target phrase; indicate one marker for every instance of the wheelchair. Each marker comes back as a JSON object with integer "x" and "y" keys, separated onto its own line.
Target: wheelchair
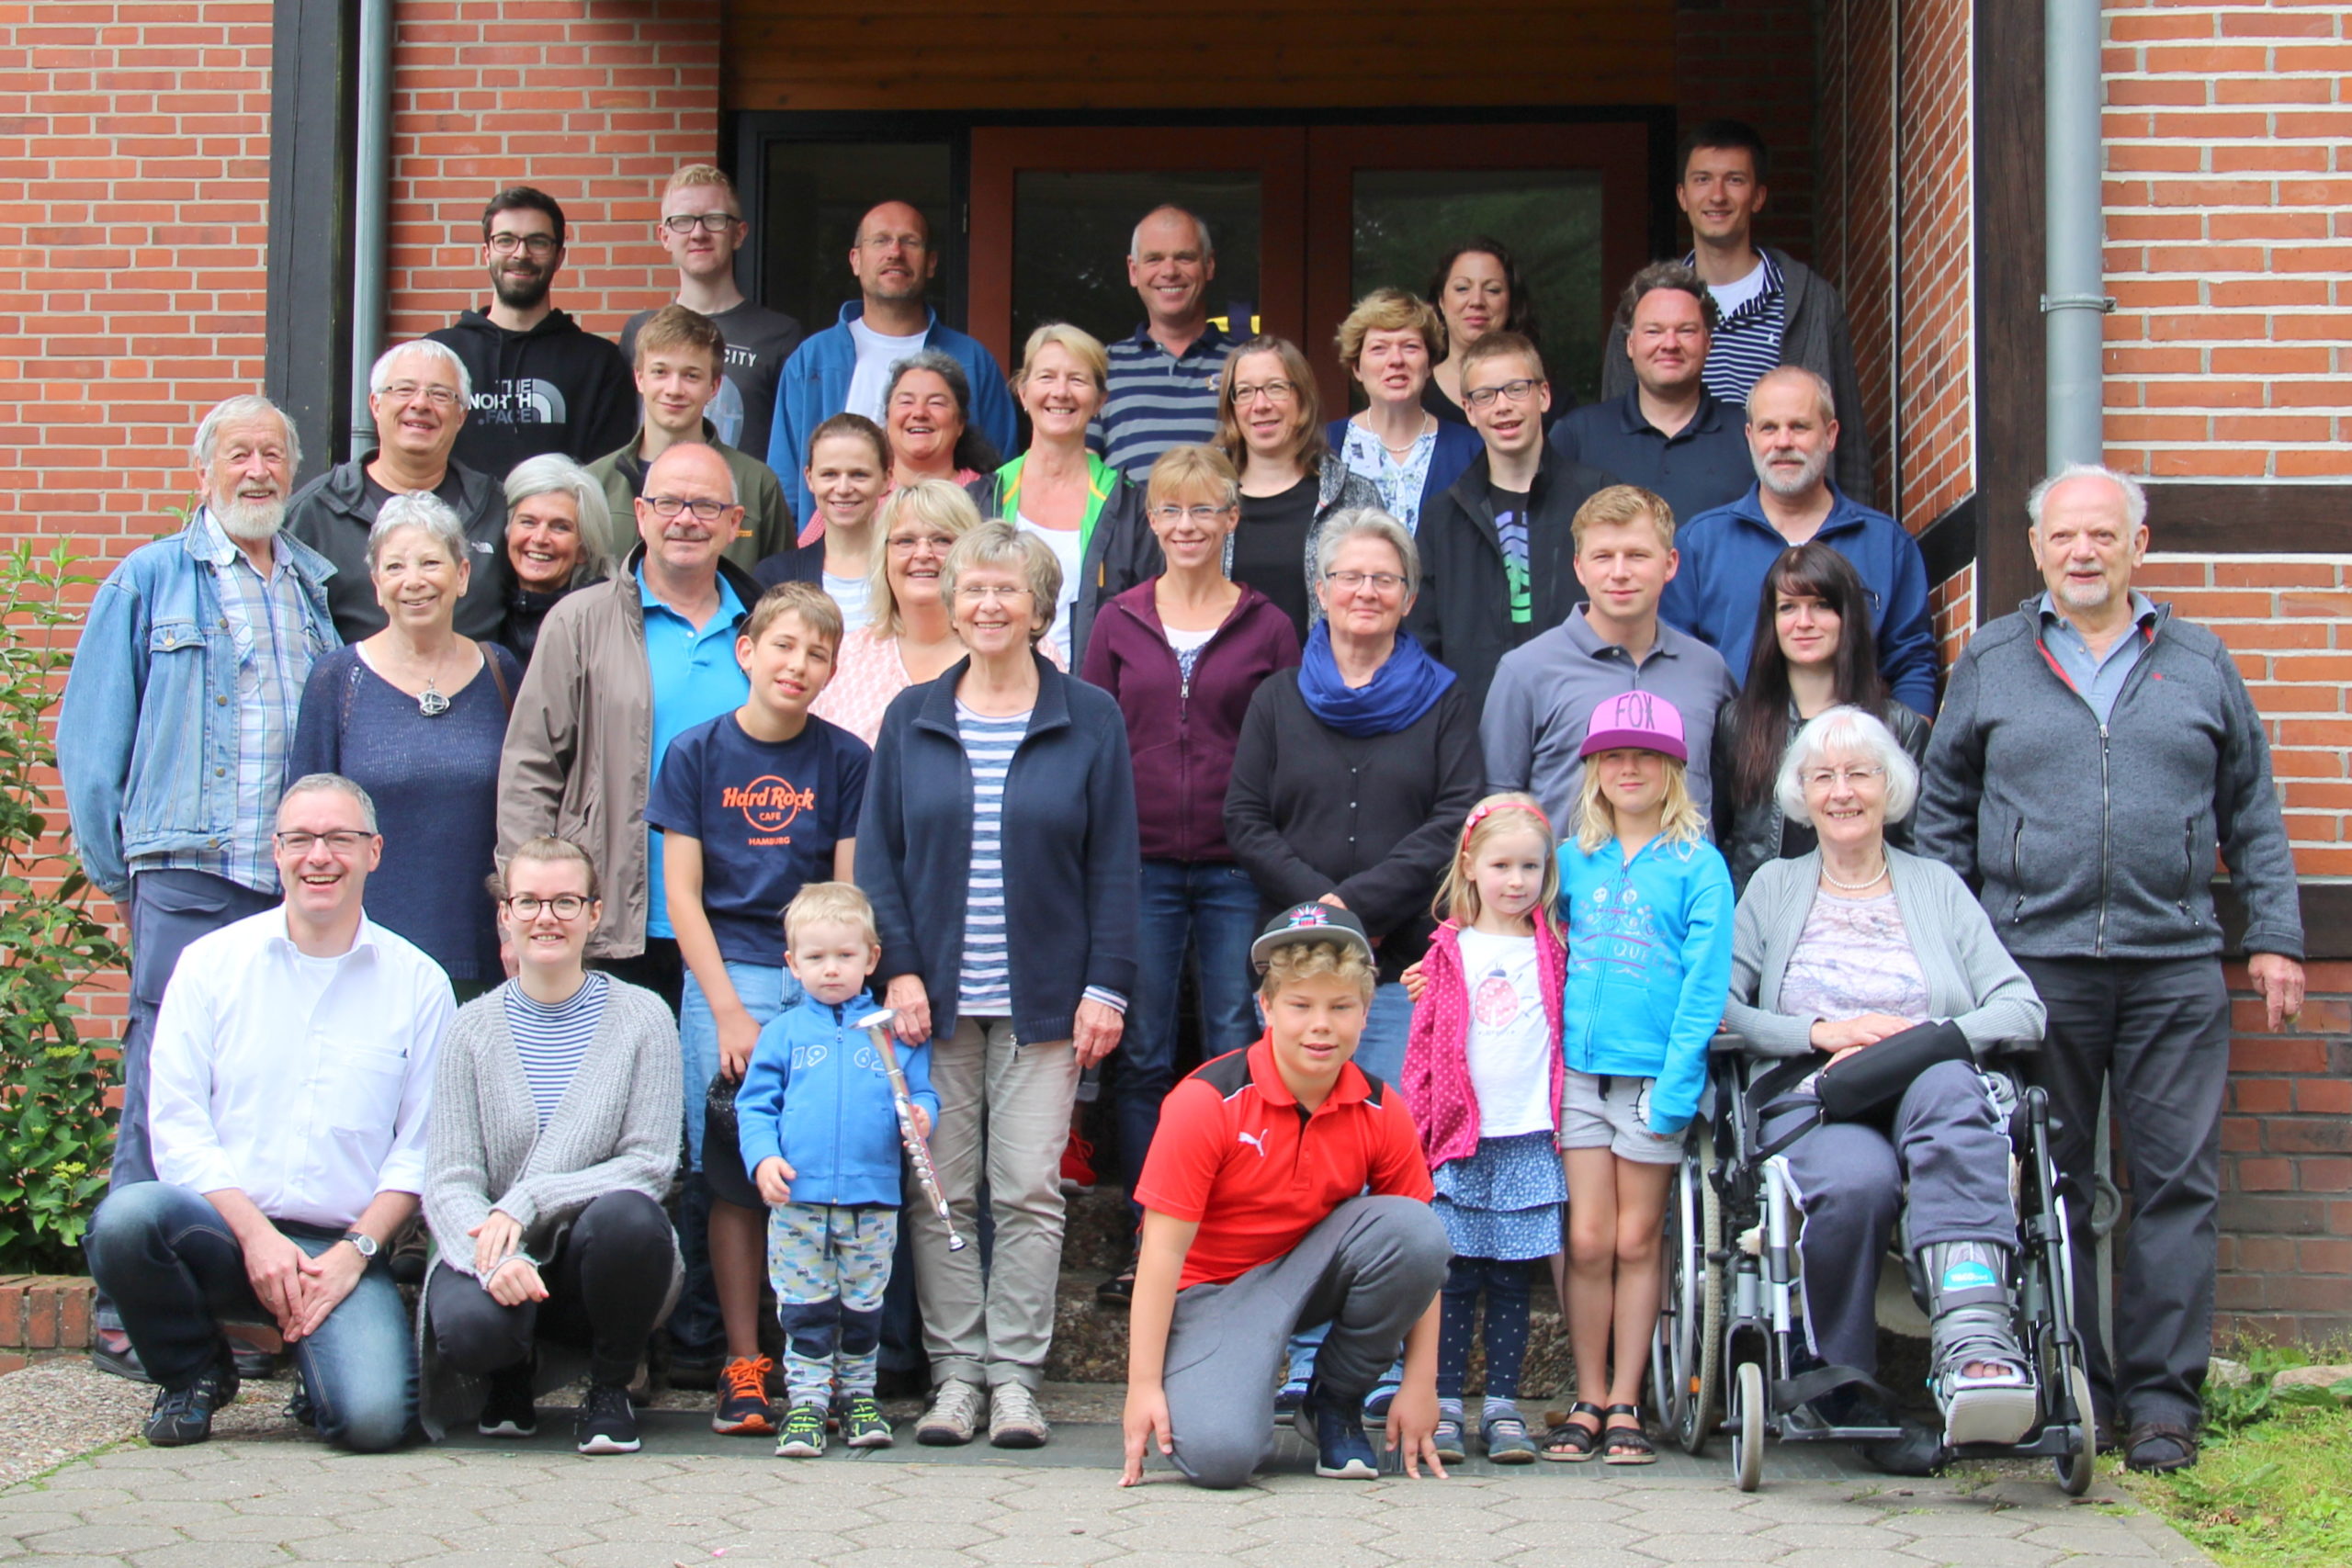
{"x": 1731, "y": 1324}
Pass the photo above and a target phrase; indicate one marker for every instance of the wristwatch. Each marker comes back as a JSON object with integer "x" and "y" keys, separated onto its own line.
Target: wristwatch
{"x": 361, "y": 1242}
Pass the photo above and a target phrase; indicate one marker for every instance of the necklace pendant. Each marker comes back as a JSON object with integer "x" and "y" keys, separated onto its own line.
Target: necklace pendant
{"x": 432, "y": 704}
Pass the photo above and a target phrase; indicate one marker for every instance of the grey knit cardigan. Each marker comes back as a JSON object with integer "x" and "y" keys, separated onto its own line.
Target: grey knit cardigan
{"x": 1971, "y": 979}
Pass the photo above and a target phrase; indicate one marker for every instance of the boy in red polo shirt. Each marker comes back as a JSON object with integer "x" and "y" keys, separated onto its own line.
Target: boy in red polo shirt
{"x": 1285, "y": 1187}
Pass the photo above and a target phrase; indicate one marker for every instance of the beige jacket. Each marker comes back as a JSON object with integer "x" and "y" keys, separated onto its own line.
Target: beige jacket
{"x": 579, "y": 756}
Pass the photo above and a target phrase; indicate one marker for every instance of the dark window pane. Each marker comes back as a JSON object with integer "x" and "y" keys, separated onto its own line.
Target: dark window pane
{"x": 1070, "y": 234}
{"x": 815, "y": 193}
{"x": 1549, "y": 217}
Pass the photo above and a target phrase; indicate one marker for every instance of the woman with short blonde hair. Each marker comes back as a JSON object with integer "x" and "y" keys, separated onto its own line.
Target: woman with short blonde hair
{"x": 1389, "y": 343}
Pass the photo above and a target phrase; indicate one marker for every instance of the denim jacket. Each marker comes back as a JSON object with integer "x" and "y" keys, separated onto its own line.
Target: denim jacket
{"x": 147, "y": 733}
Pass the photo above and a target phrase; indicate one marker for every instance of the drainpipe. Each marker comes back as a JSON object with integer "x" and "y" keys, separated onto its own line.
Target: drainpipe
{"x": 2075, "y": 297}
{"x": 371, "y": 202}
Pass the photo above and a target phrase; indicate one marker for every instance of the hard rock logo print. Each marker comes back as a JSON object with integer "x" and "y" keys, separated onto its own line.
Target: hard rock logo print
{"x": 769, "y": 804}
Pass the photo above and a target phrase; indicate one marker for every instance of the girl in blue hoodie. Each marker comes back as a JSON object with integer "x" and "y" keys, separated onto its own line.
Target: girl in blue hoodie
{"x": 1648, "y": 906}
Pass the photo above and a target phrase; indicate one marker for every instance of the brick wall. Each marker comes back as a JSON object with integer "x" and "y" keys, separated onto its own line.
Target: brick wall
{"x": 2228, "y": 246}
{"x": 1753, "y": 60}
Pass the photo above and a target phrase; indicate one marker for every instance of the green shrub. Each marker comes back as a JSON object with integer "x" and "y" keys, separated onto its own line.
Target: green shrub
{"x": 55, "y": 1133}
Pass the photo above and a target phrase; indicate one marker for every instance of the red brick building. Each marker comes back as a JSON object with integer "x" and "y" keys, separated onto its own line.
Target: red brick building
{"x": 176, "y": 183}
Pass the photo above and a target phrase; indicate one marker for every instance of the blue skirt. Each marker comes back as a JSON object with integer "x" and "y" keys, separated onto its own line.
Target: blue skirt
{"x": 1504, "y": 1201}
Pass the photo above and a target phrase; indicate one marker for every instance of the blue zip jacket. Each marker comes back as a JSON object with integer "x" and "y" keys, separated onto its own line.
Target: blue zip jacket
{"x": 1726, "y": 552}
{"x": 814, "y": 386}
{"x": 147, "y": 732}
{"x": 815, "y": 1095}
{"x": 1649, "y": 966}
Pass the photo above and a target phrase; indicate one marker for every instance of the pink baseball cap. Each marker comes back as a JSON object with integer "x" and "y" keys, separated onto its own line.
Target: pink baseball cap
{"x": 1642, "y": 720}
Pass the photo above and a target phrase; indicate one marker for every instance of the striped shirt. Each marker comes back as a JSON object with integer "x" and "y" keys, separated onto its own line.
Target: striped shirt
{"x": 1156, "y": 400}
{"x": 551, "y": 1042}
{"x": 985, "y": 988}
{"x": 1748, "y": 339}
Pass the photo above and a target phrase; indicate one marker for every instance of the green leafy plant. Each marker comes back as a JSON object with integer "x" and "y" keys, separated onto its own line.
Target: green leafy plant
{"x": 55, "y": 1132}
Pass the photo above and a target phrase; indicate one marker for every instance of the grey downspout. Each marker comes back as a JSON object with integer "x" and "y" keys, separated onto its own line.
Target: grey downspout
{"x": 371, "y": 214}
{"x": 2073, "y": 300}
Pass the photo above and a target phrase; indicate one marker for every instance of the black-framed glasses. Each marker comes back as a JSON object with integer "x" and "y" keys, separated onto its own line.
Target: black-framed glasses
{"x": 708, "y": 222}
{"x": 1518, "y": 390}
{"x": 339, "y": 840}
{"x": 703, "y": 508}
{"x": 563, "y": 906}
{"x": 505, "y": 244}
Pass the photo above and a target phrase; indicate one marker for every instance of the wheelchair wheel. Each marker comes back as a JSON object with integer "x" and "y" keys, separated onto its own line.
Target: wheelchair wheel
{"x": 1693, "y": 1412}
{"x": 2076, "y": 1469}
{"x": 1673, "y": 1344}
{"x": 1747, "y": 1427}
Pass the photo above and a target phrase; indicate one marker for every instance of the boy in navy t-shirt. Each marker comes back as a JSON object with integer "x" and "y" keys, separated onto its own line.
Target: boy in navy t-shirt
{"x": 751, "y": 806}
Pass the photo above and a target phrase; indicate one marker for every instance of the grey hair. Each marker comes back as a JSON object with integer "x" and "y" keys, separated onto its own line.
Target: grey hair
{"x": 998, "y": 543}
{"x": 1199, "y": 227}
{"x": 331, "y": 783}
{"x": 2135, "y": 500}
{"x": 1369, "y": 522}
{"x": 245, "y": 405}
{"x": 418, "y": 509}
{"x": 1819, "y": 383}
{"x": 1849, "y": 729}
{"x": 552, "y": 473}
{"x": 379, "y": 375}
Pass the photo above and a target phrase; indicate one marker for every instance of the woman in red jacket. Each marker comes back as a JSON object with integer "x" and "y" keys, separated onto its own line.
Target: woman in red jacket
{"x": 1183, "y": 653}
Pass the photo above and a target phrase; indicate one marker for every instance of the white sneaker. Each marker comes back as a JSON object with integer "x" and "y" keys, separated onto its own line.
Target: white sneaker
{"x": 954, "y": 1416}
{"x": 1015, "y": 1420}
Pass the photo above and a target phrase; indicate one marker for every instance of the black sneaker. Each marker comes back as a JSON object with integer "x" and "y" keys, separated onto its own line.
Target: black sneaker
{"x": 184, "y": 1416}
{"x": 607, "y": 1424}
{"x": 112, "y": 1353}
{"x": 511, "y": 1411}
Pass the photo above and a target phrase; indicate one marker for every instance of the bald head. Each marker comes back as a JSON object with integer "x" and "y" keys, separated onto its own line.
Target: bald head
{"x": 688, "y": 514}
{"x": 893, "y": 259}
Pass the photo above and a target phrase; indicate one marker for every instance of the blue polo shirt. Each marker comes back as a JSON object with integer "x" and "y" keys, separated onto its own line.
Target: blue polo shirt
{"x": 695, "y": 679}
{"x": 2098, "y": 679}
{"x": 1726, "y": 553}
{"x": 1699, "y": 467}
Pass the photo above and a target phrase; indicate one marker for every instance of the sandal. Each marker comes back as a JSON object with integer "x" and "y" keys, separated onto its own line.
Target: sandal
{"x": 1505, "y": 1440}
{"x": 2154, "y": 1447}
{"x": 1448, "y": 1439}
{"x": 1626, "y": 1445}
{"x": 1567, "y": 1441}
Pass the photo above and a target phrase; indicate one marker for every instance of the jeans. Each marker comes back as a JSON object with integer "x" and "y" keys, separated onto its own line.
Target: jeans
{"x": 607, "y": 1285}
{"x": 177, "y": 1273}
{"x": 1209, "y": 906}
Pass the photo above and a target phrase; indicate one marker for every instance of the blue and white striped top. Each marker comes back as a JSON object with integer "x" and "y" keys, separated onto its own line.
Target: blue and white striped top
{"x": 1155, "y": 400}
{"x": 1748, "y": 339}
{"x": 985, "y": 988}
{"x": 551, "y": 1042}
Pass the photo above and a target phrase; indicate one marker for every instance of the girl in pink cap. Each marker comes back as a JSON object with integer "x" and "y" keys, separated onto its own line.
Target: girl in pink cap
{"x": 1649, "y": 905}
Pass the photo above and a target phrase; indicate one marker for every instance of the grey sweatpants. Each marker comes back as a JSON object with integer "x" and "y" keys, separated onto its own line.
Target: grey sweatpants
{"x": 1370, "y": 1269}
{"x": 1850, "y": 1179}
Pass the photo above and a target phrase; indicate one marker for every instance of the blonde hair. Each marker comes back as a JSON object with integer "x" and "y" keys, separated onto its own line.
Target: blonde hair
{"x": 1619, "y": 506}
{"x": 1185, "y": 471}
{"x": 1680, "y": 819}
{"x": 1390, "y": 310}
{"x": 701, "y": 174}
{"x": 1510, "y": 811}
{"x": 1081, "y": 344}
{"x": 811, "y": 603}
{"x": 838, "y": 903}
{"x": 940, "y": 502}
{"x": 1299, "y": 961}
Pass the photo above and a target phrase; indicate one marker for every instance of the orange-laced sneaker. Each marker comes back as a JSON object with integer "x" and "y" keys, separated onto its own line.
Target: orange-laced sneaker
{"x": 743, "y": 1410}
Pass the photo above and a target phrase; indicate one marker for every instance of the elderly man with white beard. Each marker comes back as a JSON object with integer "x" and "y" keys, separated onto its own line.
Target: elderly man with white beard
{"x": 177, "y": 717}
{"x": 1728, "y": 553}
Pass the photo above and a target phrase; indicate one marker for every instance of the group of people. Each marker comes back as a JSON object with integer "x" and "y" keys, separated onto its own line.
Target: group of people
{"x": 1474, "y": 762}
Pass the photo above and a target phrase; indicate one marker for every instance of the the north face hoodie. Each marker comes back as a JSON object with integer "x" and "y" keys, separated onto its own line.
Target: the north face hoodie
{"x": 554, "y": 389}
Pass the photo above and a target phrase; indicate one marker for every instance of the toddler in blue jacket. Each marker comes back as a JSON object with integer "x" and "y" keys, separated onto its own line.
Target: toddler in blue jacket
{"x": 821, "y": 1136}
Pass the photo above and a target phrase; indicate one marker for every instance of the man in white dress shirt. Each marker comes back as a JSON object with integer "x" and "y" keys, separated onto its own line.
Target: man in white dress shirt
{"x": 289, "y": 1078}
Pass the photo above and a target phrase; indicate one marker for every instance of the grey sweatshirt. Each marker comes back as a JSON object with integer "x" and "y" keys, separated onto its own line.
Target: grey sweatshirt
{"x": 2091, "y": 841}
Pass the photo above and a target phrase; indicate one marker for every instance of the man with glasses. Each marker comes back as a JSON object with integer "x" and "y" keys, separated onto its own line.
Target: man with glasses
{"x": 540, "y": 382}
{"x": 1728, "y": 552}
{"x": 1163, "y": 386}
{"x": 846, "y": 367}
{"x": 1497, "y": 549}
{"x": 417, "y": 392}
{"x": 702, "y": 227}
{"x": 292, "y": 1073}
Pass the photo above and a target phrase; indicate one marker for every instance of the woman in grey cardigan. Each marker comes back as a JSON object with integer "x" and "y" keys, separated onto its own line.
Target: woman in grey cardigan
{"x": 554, "y": 1139}
{"x": 1833, "y": 952}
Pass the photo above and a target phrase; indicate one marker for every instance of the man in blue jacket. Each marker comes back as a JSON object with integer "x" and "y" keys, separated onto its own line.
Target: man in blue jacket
{"x": 846, "y": 367}
{"x": 1727, "y": 553}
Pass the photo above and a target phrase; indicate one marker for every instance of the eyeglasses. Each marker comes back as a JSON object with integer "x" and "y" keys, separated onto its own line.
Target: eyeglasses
{"x": 1852, "y": 778}
{"x": 1204, "y": 515}
{"x": 708, "y": 222}
{"x": 506, "y": 244}
{"x": 1517, "y": 390}
{"x": 1382, "y": 583}
{"x": 979, "y": 592}
{"x": 340, "y": 841}
{"x": 703, "y": 508}
{"x": 907, "y": 543}
{"x": 565, "y": 905}
{"x": 1272, "y": 391}
{"x": 439, "y": 396}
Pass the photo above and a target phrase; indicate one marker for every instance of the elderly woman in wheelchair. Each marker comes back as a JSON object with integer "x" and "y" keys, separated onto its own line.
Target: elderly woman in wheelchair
{"x": 1867, "y": 985}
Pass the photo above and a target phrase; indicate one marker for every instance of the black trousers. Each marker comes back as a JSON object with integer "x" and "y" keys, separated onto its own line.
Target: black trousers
{"x": 2156, "y": 1033}
{"x": 605, "y": 1287}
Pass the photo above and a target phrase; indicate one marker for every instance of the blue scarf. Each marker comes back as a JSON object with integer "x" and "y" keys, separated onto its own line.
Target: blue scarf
{"x": 1404, "y": 688}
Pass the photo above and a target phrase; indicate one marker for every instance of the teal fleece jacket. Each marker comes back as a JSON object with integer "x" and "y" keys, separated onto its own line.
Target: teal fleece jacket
{"x": 1649, "y": 966}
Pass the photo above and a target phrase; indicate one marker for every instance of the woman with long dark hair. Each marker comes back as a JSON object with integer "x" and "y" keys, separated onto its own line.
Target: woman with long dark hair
{"x": 1477, "y": 289}
{"x": 1814, "y": 651}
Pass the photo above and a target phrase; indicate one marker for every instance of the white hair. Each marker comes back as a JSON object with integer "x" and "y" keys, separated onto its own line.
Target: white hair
{"x": 2135, "y": 500}
{"x": 380, "y": 376}
{"x": 418, "y": 509}
{"x": 1851, "y": 732}
{"x": 245, "y": 405}
{"x": 552, "y": 473}
{"x": 1199, "y": 227}
{"x": 1369, "y": 522}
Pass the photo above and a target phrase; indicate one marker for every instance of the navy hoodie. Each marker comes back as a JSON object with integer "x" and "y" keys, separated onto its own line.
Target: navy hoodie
{"x": 554, "y": 389}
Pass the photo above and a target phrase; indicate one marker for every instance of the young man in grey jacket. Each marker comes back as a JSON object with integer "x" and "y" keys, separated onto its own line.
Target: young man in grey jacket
{"x": 2095, "y": 753}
